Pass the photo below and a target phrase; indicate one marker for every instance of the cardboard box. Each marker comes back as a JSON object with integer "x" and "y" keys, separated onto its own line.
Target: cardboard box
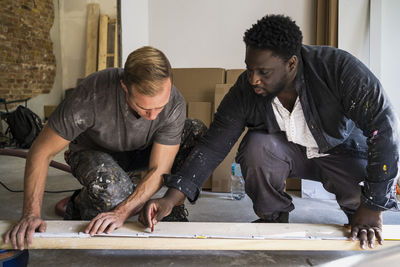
{"x": 220, "y": 91}
{"x": 221, "y": 181}
{"x": 233, "y": 74}
{"x": 201, "y": 111}
{"x": 198, "y": 84}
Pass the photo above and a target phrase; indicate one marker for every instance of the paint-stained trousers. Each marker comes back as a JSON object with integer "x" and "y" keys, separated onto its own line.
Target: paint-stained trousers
{"x": 104, "y": 176}
{"x": 267, "y": 160}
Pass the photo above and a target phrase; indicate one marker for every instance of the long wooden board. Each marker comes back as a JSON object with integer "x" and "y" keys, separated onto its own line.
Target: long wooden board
{"x": 93, "y": 13}
{"x": 103, "y": 35}
{"x": 201, "y": 236}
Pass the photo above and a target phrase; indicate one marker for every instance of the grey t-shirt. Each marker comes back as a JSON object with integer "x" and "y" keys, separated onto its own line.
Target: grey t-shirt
{"x": 97, "y": 116}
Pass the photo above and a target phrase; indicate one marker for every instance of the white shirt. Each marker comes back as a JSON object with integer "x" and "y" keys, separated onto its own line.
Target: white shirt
{"x": 295, "y": 127}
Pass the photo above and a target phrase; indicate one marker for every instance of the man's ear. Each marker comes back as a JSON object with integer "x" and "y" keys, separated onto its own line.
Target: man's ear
{"x": 293, "y": 63}
{"x": 124, "y": 87}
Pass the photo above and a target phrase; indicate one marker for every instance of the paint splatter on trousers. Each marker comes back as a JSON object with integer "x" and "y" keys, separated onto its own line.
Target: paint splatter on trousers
{"x": 105, "y": 177}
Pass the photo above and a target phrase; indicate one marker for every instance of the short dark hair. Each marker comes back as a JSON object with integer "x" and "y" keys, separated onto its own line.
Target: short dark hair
{"x": 145, "y": 67}
{"x": 277, "y": 33}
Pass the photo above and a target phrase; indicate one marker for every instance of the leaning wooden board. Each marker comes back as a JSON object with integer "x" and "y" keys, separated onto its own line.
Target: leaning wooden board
{"x": 201, "y": 236}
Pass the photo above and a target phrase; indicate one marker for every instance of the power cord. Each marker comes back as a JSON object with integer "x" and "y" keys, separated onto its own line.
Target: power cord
{"x": 46, "y": 191}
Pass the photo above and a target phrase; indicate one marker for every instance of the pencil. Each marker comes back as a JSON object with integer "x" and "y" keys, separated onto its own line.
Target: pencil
{"x": 152, "y": 217}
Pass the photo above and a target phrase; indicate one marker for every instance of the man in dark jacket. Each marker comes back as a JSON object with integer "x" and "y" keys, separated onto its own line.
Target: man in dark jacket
{"x": 312, "y": 112}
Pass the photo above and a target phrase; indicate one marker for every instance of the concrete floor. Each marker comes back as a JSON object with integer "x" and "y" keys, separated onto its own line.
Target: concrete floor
{"x": 211, "y": 207}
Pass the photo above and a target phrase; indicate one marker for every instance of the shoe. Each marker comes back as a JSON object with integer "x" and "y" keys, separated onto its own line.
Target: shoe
{"x": 61, "y": 206}
{"x": 178, "y": 214}
{"x": 282, "y": 218}
{"x": 72, "y": 210}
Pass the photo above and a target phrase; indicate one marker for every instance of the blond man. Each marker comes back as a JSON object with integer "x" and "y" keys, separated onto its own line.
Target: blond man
{"x": 116, "y": 120}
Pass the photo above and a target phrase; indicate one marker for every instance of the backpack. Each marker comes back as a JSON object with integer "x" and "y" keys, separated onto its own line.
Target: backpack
{"x": 24, "y": 126}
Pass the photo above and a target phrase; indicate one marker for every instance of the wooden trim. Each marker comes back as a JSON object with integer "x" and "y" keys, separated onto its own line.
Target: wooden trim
{"x": 116, "y": 45}
{"x": 93, "y": 12}
{"x": 103, "y": 35}
{"x": 195, "y": 244}
{"x": 201, "y": 236}
{"x": 327, "y": 22}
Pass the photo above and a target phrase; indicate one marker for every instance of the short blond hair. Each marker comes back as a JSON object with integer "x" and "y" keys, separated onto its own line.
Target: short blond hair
{"x": 145, "y": 68}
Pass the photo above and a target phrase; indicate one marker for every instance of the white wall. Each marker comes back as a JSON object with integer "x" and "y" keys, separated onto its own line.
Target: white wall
{"x": 383, "y": 43}
{"x": 206, "y": 33}
{"x": 353, "y": 28}
{"x": 209, "y": 33}
{"x": 369, "y": 30}
{"x": 134, "y": 25}
{"x": 390, "y": 56}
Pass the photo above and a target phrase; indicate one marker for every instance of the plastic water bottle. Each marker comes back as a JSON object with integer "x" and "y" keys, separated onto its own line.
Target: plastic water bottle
{"x": 237, "y": 183}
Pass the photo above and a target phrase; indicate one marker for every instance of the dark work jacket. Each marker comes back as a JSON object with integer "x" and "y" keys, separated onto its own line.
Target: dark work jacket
{"x": 345, "y": 108}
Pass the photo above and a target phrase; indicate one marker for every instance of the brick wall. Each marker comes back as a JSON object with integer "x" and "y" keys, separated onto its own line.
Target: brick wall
{"x": 27, "y": 62}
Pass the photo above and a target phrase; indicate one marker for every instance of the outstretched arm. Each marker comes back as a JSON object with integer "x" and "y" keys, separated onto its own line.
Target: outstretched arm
{"x": 43, "y": 150}
{"x": 365, "y": 102}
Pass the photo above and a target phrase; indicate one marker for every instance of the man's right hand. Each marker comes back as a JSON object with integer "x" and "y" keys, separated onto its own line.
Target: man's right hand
{"x": 25, "y": 228}
{"x": 155, "y": 210}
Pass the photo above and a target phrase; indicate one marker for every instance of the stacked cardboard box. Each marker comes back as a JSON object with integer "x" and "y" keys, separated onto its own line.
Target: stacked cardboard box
{"x": 197, "y": 86}
{"x": 232, "y": 75}
{"x": 203, "y": 90}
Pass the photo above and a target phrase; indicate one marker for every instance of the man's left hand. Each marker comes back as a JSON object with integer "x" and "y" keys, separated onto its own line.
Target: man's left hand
{"x": 367, "y": 225}
{"x": 105, "y": 222}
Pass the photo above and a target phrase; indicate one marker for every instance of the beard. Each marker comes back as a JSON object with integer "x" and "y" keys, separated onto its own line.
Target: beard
{"x": 275, "y": 91}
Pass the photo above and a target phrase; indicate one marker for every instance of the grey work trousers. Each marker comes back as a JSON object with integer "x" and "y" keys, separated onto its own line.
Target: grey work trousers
{"x": 104, "y": 176}
{"x": 267, "y": 160}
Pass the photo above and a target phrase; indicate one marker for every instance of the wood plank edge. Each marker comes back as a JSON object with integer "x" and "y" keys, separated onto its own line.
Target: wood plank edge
{"x": 197, "y": 244}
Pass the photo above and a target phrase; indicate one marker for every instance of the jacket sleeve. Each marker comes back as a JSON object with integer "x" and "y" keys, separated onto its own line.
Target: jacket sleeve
{"x": 366, "y": 103}
{"x": 228, "y": 124}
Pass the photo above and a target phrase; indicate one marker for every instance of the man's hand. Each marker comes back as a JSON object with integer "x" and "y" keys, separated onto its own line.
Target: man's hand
{"x": 155, "y": 210}
{"x": 25, "y": 228}
{"x": 105, "y": 222}
{"x": 367, "y": 225}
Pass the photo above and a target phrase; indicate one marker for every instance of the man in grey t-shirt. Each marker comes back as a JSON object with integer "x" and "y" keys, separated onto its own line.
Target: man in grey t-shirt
{"x": 116, "y": 120}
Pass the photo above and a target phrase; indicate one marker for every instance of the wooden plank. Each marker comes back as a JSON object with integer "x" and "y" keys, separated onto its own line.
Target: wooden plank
{"x": 93, "y": 12}
{"x": 116, "y": 45}
{"x": 103, "y": 34}
{"x": 202, "y": 236}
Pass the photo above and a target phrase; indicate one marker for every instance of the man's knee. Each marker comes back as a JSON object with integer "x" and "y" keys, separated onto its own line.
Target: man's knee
{"x": 193, "y": 131}
{"x": 109, "y": 182}
{"x": 105, "y": 183}
{"x": 85, "y": 164}
{"x": 257, "y": 146}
